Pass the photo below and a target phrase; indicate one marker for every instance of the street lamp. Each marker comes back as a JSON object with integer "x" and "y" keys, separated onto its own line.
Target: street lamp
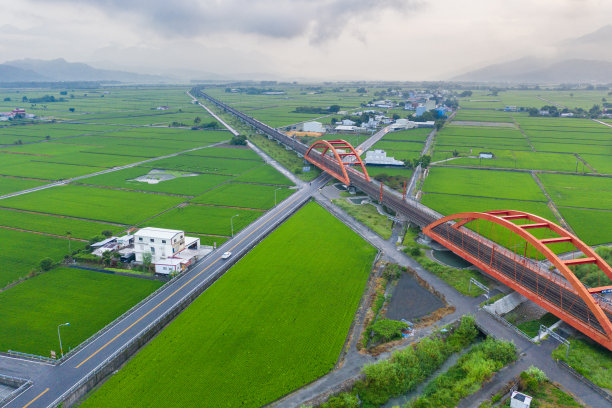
{"x": 280, "y": 188}
{"x": 60, "y": 337}
{"x": 232, "y": 223}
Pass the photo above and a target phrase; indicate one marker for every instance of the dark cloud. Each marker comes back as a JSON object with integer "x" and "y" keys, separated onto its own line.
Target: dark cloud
{"x": 318, "y": 19}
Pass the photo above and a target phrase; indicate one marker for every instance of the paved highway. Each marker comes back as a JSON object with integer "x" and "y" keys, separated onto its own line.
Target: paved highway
{"x": 52, "y": 383}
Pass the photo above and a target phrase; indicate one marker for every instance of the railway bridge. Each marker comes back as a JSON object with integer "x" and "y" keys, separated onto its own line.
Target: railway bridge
{"x": 557, "y": 290}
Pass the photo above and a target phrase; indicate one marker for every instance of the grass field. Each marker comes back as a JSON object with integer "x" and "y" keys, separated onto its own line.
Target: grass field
{"x": 87, "y": 300}
{"x": 204, "y": 219}
{"x": 191, "y": 185}
{"x": 368, "y": 215}
{"x": 94, "y": 203}
{"x": 244, "y": 195}
{"x": 483, "y": 183}
{"x": 54, "y": 225}
{"x": 17, "y": 261}
{"x": 590, "y": 360}
{"x": 588, "y": 224}
{"x": 11, "y": 185}
{"x": 257, "y": 333}
{"x": 264, "y": 174}
{"x": 579, "y": 191}
{"x": 449, "y": 204}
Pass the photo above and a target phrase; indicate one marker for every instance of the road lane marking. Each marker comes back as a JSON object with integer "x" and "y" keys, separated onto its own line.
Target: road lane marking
{"x": 37, "y": 397}
{"x": 185, "y": 284}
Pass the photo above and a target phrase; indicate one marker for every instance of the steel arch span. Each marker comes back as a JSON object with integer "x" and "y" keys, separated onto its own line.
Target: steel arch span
{"x": 343, "y": 153}
{"x": 568, "y": 299}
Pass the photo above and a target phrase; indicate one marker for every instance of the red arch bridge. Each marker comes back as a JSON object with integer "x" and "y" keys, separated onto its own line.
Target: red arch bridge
{"x": 555, "y": 288}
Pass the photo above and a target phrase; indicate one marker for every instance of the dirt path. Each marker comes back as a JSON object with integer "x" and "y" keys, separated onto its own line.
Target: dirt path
{"x": 551, "y": 204}
{"x": 551, "y": 102}
{"x": 602, "y": 123}
{"x": 524, "y": 134}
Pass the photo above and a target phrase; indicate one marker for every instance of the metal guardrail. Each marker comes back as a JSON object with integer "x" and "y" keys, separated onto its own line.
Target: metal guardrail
{"x": 25, "y": 384}
{"x": 606, "y": 395}
{"x": 29, "y": 356}
{"x": 509, "y": 325}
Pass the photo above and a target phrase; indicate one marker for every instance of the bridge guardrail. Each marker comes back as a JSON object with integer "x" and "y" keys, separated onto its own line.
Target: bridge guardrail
{"x": 22, "y": 383}
{"x": 606, "y": 395}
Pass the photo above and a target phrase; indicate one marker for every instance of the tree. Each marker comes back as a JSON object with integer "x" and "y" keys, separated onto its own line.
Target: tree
{"x": 71, "y": 109}
{"x": 107, "y": 233}
{"x": 146, "y": 260}
{"x": 46, "y": 264}
{"x": 197, "y": 120}
{"x": 334, "y": 108}
{"x": 396, "y": 116}
{"x": 239, "y": 140}
{"x": 361, "y": 90}
{"x": 7, "y": 99}
{"x": 24, "y": 99}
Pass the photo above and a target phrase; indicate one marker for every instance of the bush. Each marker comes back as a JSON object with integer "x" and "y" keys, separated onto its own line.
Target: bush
{"x": 239, "y": 140}
{"x": 46, "y": 264}
{"x": 386, "y": 330}
{"x": 409, "y": 367}
{"x": 392, "y": 272}
{"x": 344, "y": 400}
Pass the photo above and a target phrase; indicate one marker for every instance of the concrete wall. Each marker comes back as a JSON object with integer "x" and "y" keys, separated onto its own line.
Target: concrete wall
{"x": 506, "y": 304}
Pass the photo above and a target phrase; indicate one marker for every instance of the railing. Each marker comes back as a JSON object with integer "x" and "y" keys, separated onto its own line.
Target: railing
{"x": 23, "y": 385}
{"x": 509, "y": 325}
{"x": 28, "y": 356}
{"x": 606, "y": 395}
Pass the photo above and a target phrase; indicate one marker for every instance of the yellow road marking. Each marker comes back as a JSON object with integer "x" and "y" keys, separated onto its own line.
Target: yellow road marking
{"x": 173, "y": 293}
{"x": 37, "y": 397}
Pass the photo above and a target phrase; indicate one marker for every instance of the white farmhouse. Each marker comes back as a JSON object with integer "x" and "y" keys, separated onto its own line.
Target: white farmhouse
{"x": 313, "y": 127}
{"x": 379, "y": 158}
{"x": 160, "y": 243}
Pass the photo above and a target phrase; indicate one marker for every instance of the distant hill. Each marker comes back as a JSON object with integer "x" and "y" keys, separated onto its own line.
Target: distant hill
{"x": 61, "y": 70}
{"x": 14, "y": 74}
{"x": 535, "y": 70}
{"x": 587, "y": 58}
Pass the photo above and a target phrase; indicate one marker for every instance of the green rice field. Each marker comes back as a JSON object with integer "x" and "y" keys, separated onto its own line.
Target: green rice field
{"x": 248, "y": 336}
{"x": 60, "y": 297}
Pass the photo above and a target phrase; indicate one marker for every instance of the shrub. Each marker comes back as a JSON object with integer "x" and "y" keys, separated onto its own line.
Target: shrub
{"x": 46, "y": 264}
{"x": 392, "y": 272}
{"x": 409, "y": 367}
{"x": 343, "y": 400}
{"x": 386, "y": 330}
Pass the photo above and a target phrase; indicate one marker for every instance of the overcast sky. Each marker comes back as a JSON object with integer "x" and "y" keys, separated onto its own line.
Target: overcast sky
{"x": 318, "y": 39}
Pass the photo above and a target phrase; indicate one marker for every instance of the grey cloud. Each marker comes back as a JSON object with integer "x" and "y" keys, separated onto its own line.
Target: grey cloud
{"x": 318, "y": 19}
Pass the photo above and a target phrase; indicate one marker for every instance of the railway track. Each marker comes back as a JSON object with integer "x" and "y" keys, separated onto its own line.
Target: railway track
{"x": 526, "y": 274}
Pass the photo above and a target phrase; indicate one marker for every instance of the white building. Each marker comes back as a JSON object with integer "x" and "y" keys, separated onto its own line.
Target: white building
{"x": 430, "y": 104}
{"x": 520, "y": 400}
{"x": 161, "y": 243}
{"x": 379, "y": 158}
{"x": 348, "y": 122}
{"x": 313, "y": 127}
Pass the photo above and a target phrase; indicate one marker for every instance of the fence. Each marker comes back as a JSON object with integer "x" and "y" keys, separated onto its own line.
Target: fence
{"x": 606, "y": 395}
{"x": 19, "y": 384}
{"x": 508, "y": 324}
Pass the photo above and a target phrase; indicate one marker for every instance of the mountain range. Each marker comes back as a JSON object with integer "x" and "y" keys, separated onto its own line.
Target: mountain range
{"x": 35, "y": 70}
{"x": 587, "y": 58}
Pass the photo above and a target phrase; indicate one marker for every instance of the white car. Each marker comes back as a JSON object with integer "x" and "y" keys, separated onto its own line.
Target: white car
{"x": 226, "y": 255}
